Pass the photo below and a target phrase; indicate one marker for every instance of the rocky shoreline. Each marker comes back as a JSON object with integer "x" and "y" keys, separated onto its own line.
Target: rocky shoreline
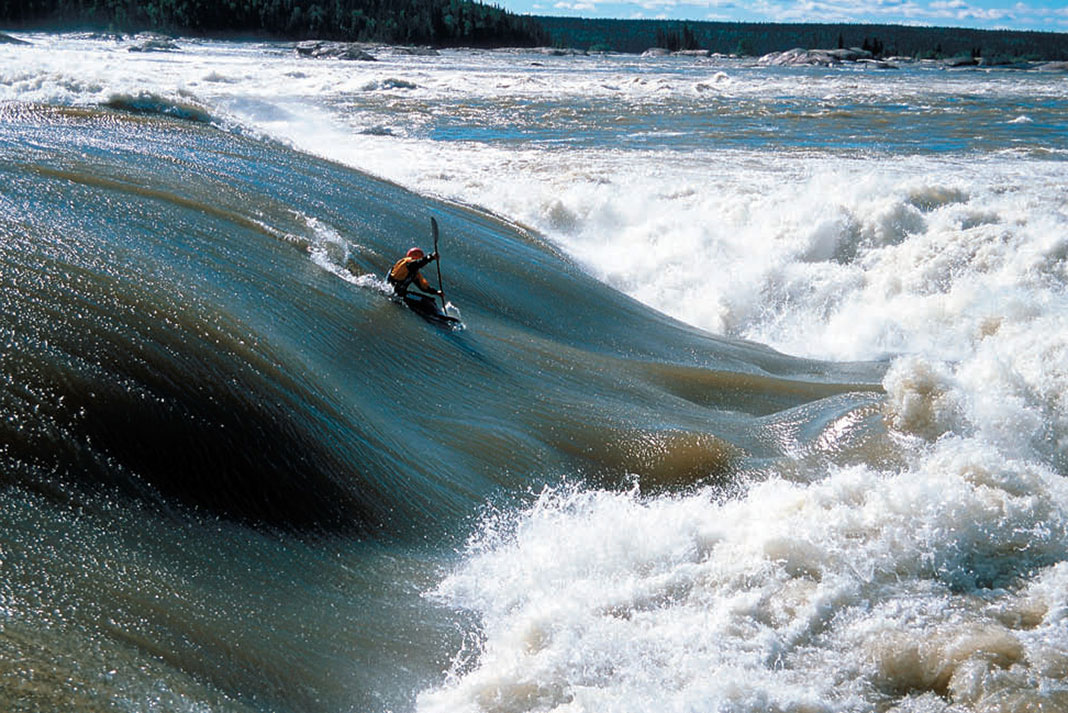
{"x": 800, "y": 57}
{"x": 796, "y": 57}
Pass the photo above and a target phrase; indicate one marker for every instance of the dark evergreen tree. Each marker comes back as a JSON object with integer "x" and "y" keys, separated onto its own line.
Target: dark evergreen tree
{"x": 467, "y": 22}
{"x": 755, "y": 39}
{"x": 435, "y": 22}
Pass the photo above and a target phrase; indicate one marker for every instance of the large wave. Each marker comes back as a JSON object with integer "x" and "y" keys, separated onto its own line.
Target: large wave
{"x": 742, "y": 530}
{"x": 176, "y": 332}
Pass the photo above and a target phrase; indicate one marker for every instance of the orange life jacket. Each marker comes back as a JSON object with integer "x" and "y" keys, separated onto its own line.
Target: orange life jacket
{"x": 406, "y": 271}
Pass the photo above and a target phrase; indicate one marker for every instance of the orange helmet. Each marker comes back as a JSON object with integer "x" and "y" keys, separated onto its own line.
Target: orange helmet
{"x": 415, "y": 254}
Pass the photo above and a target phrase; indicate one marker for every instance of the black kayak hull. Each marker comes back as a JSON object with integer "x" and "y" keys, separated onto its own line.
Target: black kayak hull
{"x": 427, "y": 308}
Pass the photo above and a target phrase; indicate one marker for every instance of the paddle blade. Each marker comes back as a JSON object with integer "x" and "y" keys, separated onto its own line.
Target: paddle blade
{"x": 441, "y": 285}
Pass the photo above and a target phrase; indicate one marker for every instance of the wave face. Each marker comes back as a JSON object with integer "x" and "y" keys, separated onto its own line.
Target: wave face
{"x": 182, "y": 328}
{"x": 603, "y": 492}
{"x": 197, "y": 342}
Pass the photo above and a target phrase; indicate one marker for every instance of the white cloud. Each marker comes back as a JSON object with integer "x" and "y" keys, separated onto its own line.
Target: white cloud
{"x": 884, "y": 11}
{"x": 960, "y": 10}
{"x": 1041, "y": 15}
{"x": 952, "y": 5}
{"x": 576, "y": 6}
{"x": 977, "y": 13}
{"x": 991, "y": 14}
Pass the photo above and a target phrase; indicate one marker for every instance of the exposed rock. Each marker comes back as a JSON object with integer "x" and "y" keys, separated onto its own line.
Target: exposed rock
{"x": 560, "y": 51}
{"x": 1004, "y": 63}
{"x": 960, "y": 62}
{"x": 655, "y": 52}
{"x": 9, "y": 40}
{"x": 877, "y": 63}
{"x": 378, "y": 131}
{"x": 152, "y": 36}
{"x": 823, "y": 58}
{"x": 1053, "y": 67}
{"x": 691, "y": 53}
{"x": 390, "y": 83}
{"x": 798, "y": 57}
{"x": 852, "y": 54}
{"x": 334, "y": 50}
{"x": 414, "y": 51}
{"x": 153, "y": 42}
{"x": 352, "y": 54}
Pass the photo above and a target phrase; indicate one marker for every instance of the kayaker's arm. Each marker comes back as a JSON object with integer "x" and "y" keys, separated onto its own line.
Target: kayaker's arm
{"x": 424, "y": 285}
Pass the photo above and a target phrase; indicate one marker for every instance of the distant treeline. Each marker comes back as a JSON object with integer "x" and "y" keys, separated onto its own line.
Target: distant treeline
{"x": 471, "y": 23}
{"x": 430, "y": 22}
{"x": 755, "y": 39}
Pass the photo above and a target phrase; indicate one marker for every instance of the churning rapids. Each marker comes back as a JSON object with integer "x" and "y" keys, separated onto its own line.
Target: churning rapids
{"x": 758, "y": 403}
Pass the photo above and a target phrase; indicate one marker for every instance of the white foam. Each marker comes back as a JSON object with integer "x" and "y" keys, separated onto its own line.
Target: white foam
{"x": 943, "y": 579}
{"x": 822, "y": 596}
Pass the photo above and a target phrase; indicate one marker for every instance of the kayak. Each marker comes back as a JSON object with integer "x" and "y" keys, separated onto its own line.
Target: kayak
{"x": 427, "y": 308}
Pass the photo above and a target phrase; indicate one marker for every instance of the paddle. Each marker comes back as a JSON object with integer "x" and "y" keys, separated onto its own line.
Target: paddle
{"x": 441, "y": 285}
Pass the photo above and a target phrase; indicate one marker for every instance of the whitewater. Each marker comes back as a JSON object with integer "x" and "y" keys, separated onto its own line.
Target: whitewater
{"x": 915, "y": 218}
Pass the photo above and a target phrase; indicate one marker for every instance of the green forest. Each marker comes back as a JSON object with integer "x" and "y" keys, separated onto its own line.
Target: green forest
{"x": 445, "y": 23}
{"x": 756, "y": 39}
{"x": 412, "y": 22}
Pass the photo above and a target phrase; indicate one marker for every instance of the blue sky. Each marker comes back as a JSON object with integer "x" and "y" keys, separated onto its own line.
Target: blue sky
{"x": 1049, "y": 15}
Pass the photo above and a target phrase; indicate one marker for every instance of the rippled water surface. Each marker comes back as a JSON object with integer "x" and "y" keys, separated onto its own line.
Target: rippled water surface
{"x": 758, "y": 402}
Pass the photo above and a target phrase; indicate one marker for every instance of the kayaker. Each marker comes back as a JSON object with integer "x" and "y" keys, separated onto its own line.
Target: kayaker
{"x": 405, "y": 273}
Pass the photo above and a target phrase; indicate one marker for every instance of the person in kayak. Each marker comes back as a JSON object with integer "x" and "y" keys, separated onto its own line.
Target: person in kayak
{"x": 405, "y": 273}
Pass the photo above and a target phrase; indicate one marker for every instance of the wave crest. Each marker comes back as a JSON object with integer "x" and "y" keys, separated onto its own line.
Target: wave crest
{"x": 145, "y": 102}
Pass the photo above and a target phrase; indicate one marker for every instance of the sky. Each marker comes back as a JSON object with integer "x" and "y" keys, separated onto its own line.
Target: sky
{"x": 1048, "y": 15}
